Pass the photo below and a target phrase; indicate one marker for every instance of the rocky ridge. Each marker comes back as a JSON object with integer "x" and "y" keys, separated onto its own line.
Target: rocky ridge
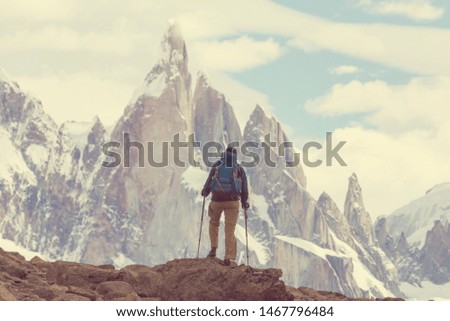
{"x": 177, "y": 280}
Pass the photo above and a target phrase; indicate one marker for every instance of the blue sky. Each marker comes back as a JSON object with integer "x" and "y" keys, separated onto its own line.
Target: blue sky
{"x": 375, "y": 73}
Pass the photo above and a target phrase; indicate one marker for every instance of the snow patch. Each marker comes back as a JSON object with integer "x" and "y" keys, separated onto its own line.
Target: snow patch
{"x": 153, "y": 87}
{"x": 156, "y": 86}
{"x": 261, "y": 251}
{"x": 10, "y": 246}
{"x": 262, "y": 208}
{"x": 193, "y": 178}
{"x": 362, "y": 276}
{"x": 121, "y": 260}
{"x": 78, "y": 132}
{"x": 38, "y": 154}
{"x": 12, "y": 162}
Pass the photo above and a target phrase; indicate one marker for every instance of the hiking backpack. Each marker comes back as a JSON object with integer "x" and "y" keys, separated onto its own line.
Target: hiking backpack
{"x": 226, "y": 179}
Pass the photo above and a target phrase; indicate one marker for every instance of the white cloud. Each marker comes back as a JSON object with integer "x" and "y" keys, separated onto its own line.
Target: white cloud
{"x": 392, "y": 169}
{"x": 345, "y": 70}
{"x": 79, "y": 96}
{"x": 352, "y": 97}
{"x": 53, "y": 39}
{"x": 410, "y": 48}
{"x": 27, "y": 11}
{"x": 421, "y": 103}
{"x": 403, "y": 155}
{"x": 421, "y": 10}
{"x": 235, "y": 55}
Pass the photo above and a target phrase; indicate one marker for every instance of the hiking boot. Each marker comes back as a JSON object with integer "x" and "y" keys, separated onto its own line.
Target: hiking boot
{"x": 226, "y": 262}
{"x": 212, "y": 253}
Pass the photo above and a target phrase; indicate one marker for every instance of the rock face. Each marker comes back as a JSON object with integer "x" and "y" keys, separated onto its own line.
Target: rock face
{"x": 183, "y": 279}
{"x": 134, "y": 203}
{"x": 436, "y": 254}
{"x": 214, "y": 117}
{"x": 356, "y": 214}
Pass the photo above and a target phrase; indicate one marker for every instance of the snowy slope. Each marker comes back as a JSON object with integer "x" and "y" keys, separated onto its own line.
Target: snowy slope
{"x": 418, "y": 217}
{"x": 427, "y": 291}
{"x": 78, "y": 131}
{"x": 12, "y": 162}
{"x": 10, "y": 246}
{"x": 362, "y": 276}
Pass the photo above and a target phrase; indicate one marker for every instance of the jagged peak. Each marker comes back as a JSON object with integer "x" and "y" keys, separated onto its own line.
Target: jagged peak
{"x": 353, "y": 185}
{"x": 326, "y": 202}
{"x": 204, "y": 83}
{"x": 173, "y": 63}
{"x": 203, "y": 79}
{"x": 96, "y": 121}
{"x": 97, "y": 126}
{"x": 260, "y": 116}
{"x": 324, "y": 197}
{"x": 173, "y": 46}
{"x": 259, "y": 112}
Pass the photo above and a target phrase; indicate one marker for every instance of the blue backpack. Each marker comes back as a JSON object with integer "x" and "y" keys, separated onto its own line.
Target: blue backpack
{"x": 226, "y": 179}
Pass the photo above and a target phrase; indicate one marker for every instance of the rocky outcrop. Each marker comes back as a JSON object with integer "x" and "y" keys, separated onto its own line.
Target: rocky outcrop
{"x": 177, "y": 280}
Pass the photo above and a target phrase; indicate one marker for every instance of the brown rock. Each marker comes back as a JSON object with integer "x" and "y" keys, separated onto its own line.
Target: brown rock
{"x": 14, "y": 270}
{"x": 182, "y": 279}
{"x": 206, "y": 279}
{"x": 5, "y": 294}
{"x": 71, "y": 297}
{"x": 40, "y": 263}
{"x": 112, "y": 290}
{"x": 47, "y": 293}
{"x": 90, "y": 294}
{"x": 80, "y": 275}
{"x": 145, "y": 282}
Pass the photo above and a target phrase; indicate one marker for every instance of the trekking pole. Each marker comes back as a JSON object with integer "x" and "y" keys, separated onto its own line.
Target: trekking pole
{"x": 201, "y": 226}
{"x": 246, "y": 233}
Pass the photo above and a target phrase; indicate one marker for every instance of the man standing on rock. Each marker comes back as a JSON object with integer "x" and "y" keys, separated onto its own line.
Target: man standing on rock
{"x": 228, "y": 182}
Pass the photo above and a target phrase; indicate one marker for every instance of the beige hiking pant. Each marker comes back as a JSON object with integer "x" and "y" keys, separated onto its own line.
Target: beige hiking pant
{"x": 231, "y": 209}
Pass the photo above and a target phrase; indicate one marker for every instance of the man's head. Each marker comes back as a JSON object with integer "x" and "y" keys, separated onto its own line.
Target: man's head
{"x": 231, "y": 149}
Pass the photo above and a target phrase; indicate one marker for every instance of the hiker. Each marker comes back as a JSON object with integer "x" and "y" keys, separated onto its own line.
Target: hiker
{"x": 228, "y": 182}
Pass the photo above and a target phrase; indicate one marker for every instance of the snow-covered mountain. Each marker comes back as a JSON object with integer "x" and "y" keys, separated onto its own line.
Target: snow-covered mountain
{"x": 417, "y": 239}
{"x": 57, "y": 199}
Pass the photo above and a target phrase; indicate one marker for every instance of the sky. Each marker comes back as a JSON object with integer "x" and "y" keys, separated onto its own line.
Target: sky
{"x": 374, "y": 73}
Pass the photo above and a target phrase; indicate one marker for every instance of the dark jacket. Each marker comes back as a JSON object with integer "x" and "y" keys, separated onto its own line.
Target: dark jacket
{"x": 227, "y": 197}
